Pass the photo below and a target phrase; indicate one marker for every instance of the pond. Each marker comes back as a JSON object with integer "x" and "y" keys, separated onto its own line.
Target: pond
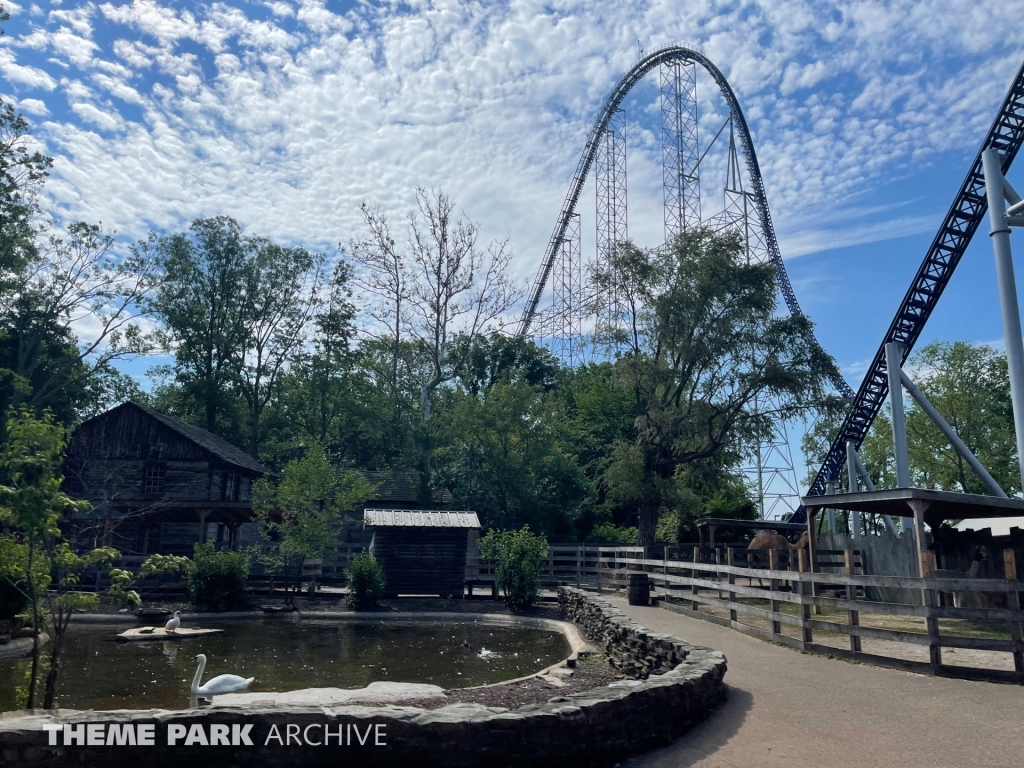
{"x": 101, "y": 673}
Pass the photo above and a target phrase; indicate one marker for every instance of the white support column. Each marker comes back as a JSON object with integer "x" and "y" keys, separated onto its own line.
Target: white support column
{"x": 893, "y": 361}
{"x": 851, "y": 471}
{"x": 995, "y": 189}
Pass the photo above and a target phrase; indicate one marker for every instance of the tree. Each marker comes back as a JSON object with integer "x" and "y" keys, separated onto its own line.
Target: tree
{"x": 502, "y": 457}
{"x": 23, "y": 169}
{"x": 969, "y": 386}
{"x": 235, "y": 310}
{"x": 700, "y": 347}
{"x": 300, "y": 517}
{"x": 283, "y": 288}
{"x": 73, "y": 281}
{"x": 31, "y": 507}
{"x": 431, "y": 300}
{"x": 202, "y": 304}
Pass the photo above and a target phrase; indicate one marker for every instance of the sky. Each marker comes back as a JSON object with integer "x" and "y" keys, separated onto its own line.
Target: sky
{"x": 287, "y": 115}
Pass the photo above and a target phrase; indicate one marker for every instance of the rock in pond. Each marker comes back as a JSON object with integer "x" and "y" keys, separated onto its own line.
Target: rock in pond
{"x": 159, "y": 633}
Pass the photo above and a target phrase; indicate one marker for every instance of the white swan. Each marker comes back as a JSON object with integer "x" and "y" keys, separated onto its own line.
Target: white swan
{"x": 221, "y": 684}
{"x": 174, "y": 623}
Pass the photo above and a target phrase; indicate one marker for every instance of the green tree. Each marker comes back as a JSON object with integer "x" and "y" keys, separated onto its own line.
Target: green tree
{"x": 502, "y": 458}
{"x": 31, "y": 507}
{"x": 430, "y": 300}
{"x": 202, "y": 303}
{"x": 300, "y": 517}
{"x": 235, "y": 310}
{"x": 702, "y": 347}
{"x": 23, "y": 169}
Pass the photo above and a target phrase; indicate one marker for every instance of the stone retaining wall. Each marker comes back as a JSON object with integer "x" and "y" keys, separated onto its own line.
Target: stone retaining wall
{"x": 596, "y": 727}
{"x": 629, "y": 646}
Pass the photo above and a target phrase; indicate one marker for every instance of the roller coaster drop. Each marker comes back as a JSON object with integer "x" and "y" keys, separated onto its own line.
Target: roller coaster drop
{"x": 605, "y": 148}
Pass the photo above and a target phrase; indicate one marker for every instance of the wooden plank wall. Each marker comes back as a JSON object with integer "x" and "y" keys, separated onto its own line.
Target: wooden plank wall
{"x": 422, "y": 561}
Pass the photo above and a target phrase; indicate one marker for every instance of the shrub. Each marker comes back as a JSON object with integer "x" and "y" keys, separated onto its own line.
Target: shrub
{"x": 611, "y": 534}
{"x": 517, "y": 556}
{"x": 365, "y": 578}
{"x": 216, "y": 580}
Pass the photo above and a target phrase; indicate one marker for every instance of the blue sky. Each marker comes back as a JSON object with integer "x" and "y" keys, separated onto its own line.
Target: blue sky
{"x": 287, "y": 115}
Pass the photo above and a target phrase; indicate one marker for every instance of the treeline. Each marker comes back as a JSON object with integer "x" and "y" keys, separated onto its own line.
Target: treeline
{"x": 394, "y": 353}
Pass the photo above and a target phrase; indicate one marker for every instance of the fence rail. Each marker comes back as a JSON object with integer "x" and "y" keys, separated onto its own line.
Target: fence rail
{"x": 735, "y": 589}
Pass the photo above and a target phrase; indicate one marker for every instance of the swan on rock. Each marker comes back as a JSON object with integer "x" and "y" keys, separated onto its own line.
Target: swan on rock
{"x": 216, "y": 686}
{"x": 174, "y": 623}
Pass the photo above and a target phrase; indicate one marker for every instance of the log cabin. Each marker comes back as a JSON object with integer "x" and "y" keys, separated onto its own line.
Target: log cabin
{"x": 157, "y": 484}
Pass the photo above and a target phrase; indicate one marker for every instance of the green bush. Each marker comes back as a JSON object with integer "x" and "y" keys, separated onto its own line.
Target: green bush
{"x": 518, "y": 556}
{"x": 217, "y": 580}
{"x": 612, "y": 535}
{"x": 365, "y": 578}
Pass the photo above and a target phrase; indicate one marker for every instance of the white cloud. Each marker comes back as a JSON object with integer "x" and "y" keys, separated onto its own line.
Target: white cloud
{"x": 33, "y": 107}
{"x": 93, "y": 114}
{"x": 20, "y": 74}
{"x": 288, "y": 121}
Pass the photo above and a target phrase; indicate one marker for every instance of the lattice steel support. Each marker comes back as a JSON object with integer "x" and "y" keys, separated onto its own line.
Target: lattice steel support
{"x": 567, "y": 299}
{"x": 679, "y": 148}
{"x": 610, "y": 184}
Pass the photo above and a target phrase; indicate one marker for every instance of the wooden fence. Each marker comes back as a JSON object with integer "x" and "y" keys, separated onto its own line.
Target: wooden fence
{"x": 780, "y": 599}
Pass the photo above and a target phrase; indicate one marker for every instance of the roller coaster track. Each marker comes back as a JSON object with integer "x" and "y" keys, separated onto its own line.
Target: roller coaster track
{"x": 646, "y": 63}
{"x": 945, "y": 252}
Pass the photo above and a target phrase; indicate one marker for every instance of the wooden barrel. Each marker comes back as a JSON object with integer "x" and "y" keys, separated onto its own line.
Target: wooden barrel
{"x": 639, "y": 589}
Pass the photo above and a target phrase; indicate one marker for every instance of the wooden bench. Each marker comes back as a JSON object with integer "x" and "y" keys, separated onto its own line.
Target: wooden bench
{"x": 470, "y": 583}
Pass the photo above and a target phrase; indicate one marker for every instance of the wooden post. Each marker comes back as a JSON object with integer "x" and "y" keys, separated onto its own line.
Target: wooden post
{"x": 773, "y": 586}
{"x": 812, "y": 550}
{"x": 202, "y": 524}
{"x": 805, "y": 608}
{"x": 926, "y": 569}
{"x": 1013, "y": 603}
{"x": 851, "y": 594}
{"x": 579, "y": 567}
{"x": 718, "y": 574}
{"x": 667, "y": 585}
{"x": 695, "y": 574}
{"x": 730, "y": 560}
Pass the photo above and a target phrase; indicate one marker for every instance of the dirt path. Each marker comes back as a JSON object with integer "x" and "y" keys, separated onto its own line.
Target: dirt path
{"x": 796, "y": 710}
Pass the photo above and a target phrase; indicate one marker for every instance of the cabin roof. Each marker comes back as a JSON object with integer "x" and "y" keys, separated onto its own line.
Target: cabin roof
{"x": 208, "y": 441}
{"x": 399, "y": 487}
{"x": 420, "y": 518}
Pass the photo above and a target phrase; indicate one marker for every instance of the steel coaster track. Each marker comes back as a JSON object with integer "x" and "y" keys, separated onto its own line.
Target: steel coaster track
{"x": 945, "y": 252}
{"x": 649, "y": 61}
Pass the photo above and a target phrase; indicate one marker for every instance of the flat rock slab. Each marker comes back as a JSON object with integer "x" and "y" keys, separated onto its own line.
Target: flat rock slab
{"x": 159, "y": 633}
{"x": 381, "y": 692}
{"x": 21, "y": 646}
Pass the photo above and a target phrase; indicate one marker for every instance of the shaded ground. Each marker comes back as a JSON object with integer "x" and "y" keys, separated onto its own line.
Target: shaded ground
{"x": 788, "y": 709}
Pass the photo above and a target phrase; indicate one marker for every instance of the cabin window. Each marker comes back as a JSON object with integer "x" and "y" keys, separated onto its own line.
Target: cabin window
{"x": 243, "y": 488}
{"x": 227, "y": 489}
{"x": 154, "y": 473}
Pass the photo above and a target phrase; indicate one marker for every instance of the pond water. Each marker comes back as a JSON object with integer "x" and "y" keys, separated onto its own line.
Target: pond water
{"x": 101, "y": 673}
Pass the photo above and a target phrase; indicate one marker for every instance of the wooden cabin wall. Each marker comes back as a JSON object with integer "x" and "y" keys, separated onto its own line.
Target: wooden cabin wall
{"x": 422, "y": 561}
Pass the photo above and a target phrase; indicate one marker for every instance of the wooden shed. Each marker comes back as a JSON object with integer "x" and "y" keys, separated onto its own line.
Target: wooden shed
{"x": 422, "y": 551}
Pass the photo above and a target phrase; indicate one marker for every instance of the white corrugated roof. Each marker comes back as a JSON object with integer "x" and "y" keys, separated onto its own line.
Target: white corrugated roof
{"x": 425, "y": 518}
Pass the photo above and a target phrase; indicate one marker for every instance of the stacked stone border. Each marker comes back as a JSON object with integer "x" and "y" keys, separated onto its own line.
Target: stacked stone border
{"x": 677, "y": 686}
